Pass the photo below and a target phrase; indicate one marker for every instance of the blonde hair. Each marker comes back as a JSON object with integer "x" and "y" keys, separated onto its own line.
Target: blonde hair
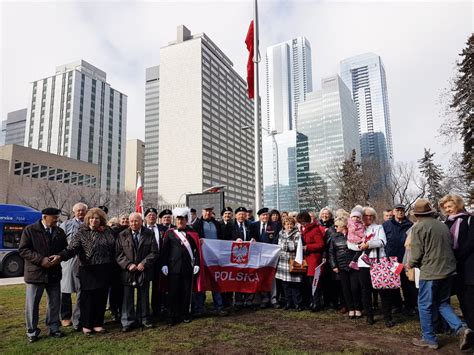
{"x": 342, "y": 213}
{"x": 289, "y": 220}
{"x": 341, "y": 222}
{"x": 456, "y": 199}
{"x": 97, "y": 211}
{"x": 113, "y": 221}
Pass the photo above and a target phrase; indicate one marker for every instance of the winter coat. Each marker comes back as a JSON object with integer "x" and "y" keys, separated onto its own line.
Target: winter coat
{"x": 36, "y": 244}
{"x": 269, "y": 236}
{"x": 340, "y": 255}
{"x": 127, "y": 253}
{"x": 175, "y": 254}
{"x": 313, "y": 238}
{"x": 198, "y": 226}
{"x": 465, "y": 252}
{"x": 287, "y": 241}
{"x": 70, "y": 268}
{"x": 238, "y": 235}
{"x": 377, "y": 241}
{"x": 396, "y": 234}
{"x": 227, "y": 230}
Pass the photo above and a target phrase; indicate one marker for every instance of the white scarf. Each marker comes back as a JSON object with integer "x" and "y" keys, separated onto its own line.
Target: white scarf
{"x": 185, "y": 242}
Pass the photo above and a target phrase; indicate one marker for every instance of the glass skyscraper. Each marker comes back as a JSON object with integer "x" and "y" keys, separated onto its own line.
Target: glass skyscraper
{"x": 327, "y": 134}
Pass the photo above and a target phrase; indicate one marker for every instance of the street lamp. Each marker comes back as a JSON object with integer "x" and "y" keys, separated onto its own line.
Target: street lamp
{"x": 277, "y": 164}
{"x": 183, "y": 194}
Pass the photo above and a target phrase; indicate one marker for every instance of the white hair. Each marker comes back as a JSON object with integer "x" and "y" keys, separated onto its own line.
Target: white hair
{"x": 371, "y": 211}
{"x": 79, "y": 205}
{"x": 135, "y": 214}
{"x": 328, "y": 209}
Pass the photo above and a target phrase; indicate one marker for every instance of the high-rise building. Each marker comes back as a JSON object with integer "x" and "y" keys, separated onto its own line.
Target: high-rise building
{"x": 134, "y": 162}
{"x": 279, "y": 170}
{"x": 327, "y": 134}
{"x": 365, "y": 76}
{"x": 203, "y": 113}
{"x": 15, "y": 127}
{"x": 3, "y": 132}
{"x": 152, "y": 106}
{"x": 76, "y": 113}
{"x": 288, "y": 81}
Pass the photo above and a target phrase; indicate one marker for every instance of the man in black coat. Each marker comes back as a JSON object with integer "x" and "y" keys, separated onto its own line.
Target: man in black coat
{"x": 137, "y": 251}
{"x": 42, "y": 246}
{"x": 227, "y": 225}
{"x": 180, "y": 262}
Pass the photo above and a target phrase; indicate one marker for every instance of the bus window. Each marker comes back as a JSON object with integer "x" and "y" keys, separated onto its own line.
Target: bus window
{"x": 12, "y": 235}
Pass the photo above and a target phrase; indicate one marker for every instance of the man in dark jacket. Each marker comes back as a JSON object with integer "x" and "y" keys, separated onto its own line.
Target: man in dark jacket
{"x": 136, "y": 253}
{"x": 42, "y": 246}
{"x": 227, "y": 225}
{"x": 208, "y": 228}
{"x": 396, "y": 229}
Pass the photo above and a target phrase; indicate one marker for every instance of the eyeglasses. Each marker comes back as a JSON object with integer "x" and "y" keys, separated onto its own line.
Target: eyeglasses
{"x": 368, "y": 215}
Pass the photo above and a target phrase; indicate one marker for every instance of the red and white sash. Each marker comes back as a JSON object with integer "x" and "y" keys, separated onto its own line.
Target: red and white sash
{"x": 185, "y": 242}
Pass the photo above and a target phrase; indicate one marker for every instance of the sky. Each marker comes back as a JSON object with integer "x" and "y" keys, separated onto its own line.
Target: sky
{"x": 419, "y": 42}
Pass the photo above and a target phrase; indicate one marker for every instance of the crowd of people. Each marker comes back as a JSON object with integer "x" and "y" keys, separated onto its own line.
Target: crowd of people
{"x": 115, "y": 262}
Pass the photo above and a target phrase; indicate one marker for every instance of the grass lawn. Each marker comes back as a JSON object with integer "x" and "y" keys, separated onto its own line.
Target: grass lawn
{"x": 263, "y": 331}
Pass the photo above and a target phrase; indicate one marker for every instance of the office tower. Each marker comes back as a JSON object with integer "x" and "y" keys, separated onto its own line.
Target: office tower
{"x": 76, "y": 113}
{"x": 15, "y": 127}
{"x": 288, "y": 81}
{"x": 134, "y": 162}
{"x": 365, "y": 76}
{"x": 327, "y": 134}
{"x": 203, "y": 115}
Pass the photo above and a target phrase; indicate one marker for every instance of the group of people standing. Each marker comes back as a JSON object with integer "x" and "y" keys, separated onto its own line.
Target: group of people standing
{"x": 118, "y": 261}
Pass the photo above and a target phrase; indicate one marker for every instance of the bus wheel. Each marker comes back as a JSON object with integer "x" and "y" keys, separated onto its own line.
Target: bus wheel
{"x": 13, "y": 266}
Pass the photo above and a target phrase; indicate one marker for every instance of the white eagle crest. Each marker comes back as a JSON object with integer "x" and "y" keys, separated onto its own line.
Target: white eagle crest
{"x": 239, "y": 252}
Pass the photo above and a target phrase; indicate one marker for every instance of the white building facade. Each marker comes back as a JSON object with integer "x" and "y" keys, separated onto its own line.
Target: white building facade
{"x": 77, "y": 114}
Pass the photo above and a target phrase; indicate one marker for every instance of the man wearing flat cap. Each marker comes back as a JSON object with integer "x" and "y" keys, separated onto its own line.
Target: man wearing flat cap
{"x": 43, "y": 245}
{"x": 432, "y": 253}
{"x": 396, "y": 229}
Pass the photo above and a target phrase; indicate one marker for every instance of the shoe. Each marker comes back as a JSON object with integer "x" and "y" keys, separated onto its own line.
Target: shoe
{"x": 410, "y": 312}
{"x": 66, "y": 323}
{"x": 315, "y": 308}
{"x": 126, "y": 329}
{"x": 343, "y": 310}
{"x": 358, "y": 314}
{"x": 466, "y": 338}
{"x": 287, "y": 307}
{"x": 187, "y": 320}
{"x": 100, "y": 330}
{"x": 56, "y": 334}
{"x": 148, "y": 325}
{"x": 32, "y": 338}
{"x": 370, "y": 320}
{"x": 222, "y": 313}
{"x": 351, "y": 314}
{"x": 299, "y": 308}
{"x": 389, "y": 323}
{"x": 423, "y": 344}
{"x": 397, "y": 310}
{"x": 276, "y": 306}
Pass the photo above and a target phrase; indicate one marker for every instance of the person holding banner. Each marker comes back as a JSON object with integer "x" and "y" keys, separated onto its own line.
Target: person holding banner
{"x": 287, "y": 241}
{"x": 180, "y": 262}
{"x": 314, "y": 240}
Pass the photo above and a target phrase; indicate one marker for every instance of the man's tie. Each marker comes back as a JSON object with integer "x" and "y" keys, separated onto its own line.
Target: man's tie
{"x": 135, "y": 239}
{"x": 241, "y": 227}
{"x": 263, "y": 229}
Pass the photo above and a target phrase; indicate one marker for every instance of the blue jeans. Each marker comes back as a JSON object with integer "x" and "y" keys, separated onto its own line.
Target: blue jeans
{"x": 199, "y": 299}
{"x": 433, "y": 297}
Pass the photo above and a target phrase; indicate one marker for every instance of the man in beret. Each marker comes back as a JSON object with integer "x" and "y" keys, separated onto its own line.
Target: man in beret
{"x": 43, "y": 245}
{"x": 226, "y": 223}
{"x": 193, "y": 216}
{"x": 250, "y": 216}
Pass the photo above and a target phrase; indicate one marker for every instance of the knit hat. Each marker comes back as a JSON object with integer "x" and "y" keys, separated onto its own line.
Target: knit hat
{"x": 357, "y": 211}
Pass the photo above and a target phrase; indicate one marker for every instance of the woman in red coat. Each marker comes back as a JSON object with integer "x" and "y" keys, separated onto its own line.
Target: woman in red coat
{"x": 314, "y": 246}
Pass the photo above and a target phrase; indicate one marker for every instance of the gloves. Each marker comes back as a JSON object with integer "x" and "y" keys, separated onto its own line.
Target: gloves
{"x": 196, "y": 269}
{"x": 164, "y": 270}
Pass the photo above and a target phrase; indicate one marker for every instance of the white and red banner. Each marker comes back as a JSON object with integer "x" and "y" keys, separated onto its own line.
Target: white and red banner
{"x": 246, "y": 267}
{"x": 139, "y": 196}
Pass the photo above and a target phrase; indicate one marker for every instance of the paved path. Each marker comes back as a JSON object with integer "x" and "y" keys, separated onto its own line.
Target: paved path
{"x": 11, "y": 281}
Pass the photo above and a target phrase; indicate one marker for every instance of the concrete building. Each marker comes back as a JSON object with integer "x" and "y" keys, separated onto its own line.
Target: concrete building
{"x": 77, "y": 114}
{"x": 134, "y": 161}
{"x": 203, "y": 107}
{"x": 152, "y": 105}
{"x": 3, "y": 132}
{"x": 30, "y": 176}
{"x": 288, "y": 82}
{"x": 15, "y": 126}
{"x": 327, "y": 134}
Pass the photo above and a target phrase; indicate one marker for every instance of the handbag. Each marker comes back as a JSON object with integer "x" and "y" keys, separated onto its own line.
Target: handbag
{"x": 382, "y": 273}
{"x": 297, "y": 268}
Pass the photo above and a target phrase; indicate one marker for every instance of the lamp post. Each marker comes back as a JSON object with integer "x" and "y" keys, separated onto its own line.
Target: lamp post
{"x": 183, "y": 194}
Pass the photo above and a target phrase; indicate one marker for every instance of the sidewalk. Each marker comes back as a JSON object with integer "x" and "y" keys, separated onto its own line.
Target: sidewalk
{"x": 11, "y": 281}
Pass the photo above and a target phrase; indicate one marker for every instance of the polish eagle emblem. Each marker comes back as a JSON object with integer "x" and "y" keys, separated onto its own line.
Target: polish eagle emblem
{"x": 239, "y": 253}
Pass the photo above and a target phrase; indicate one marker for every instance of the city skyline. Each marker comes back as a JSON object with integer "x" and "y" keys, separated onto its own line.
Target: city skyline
{"x": 403, "y": 40}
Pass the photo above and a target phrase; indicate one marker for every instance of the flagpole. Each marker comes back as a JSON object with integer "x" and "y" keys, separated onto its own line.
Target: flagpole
{"x": 257, "y": 123}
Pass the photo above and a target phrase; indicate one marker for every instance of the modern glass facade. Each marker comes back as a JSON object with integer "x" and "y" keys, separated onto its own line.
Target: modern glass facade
{"x": 327, "y": 134}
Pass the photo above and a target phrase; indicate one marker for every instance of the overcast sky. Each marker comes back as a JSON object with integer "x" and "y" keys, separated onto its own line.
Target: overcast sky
{"x": 418, "y": 41}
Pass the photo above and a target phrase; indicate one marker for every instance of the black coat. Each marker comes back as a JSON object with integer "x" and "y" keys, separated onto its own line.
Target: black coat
{"x": 127, "y": 254}
{"x": 237, "y": 234}
{"x": 36, "y": 244}
{"x": 340, "y": 255}
{"x": 227, "y": 230}
{"x": 465, "y": 251}
{"x": 175, "y": 255}
{"x": 198, "y": 227}
{"x": 269, "y": 236}
{"x": 396, "y": 234}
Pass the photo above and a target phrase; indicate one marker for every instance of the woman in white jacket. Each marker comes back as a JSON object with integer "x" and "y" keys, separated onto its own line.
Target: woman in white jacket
{"x": 374, "y": 239}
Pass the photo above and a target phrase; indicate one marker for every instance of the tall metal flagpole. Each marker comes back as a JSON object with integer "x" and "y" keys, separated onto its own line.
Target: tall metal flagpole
{"x": 257, "y": 124}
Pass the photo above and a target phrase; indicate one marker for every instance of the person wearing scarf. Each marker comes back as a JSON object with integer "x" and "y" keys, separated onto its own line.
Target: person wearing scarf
{"x": 460, "y": 224}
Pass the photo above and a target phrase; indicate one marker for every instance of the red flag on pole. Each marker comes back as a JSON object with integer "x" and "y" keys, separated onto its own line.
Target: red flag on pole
{"x": 250, "y": 69}
{"x": 139, "y": 196}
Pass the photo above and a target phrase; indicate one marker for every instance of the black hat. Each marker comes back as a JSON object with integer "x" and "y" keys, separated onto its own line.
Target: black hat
{"x": 226, "y": 209}
{"x": 151, "y": 209}
{"x": 193, "y": 210}
{"x": 51, "y": 211}
{"x": 399, "y": 205}
{"x": 240, "y": 209}
{"x": 250, "y": 210}
{"x": 262, "y": 211}
{"x": 104, "y": 208}
{"x": 164, "y": 213}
